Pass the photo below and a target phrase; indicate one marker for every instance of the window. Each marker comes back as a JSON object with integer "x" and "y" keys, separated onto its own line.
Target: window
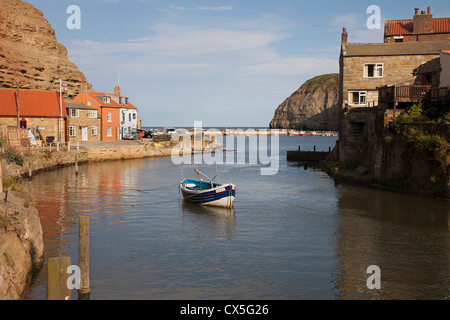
{"x": 74, "y": 113}
{"x": 109, "y": 132}
{"x": 120, "y": 100}
{"x": 109, "y": 117}
{"x": 106, "y": 100}
{"x": 72, "y": 131}
{"x": 357, "y": 97}
{"x": 126, "y": 101}
{"x": 373, "y": 70}
{"x": 134, "y": 116}
{"x": 92, "y": 113}
{"x": 94, "y": 131}
{"x": 129, "y": 117}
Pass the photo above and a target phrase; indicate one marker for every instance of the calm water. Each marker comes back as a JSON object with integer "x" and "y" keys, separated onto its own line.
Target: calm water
{"x": 293, "y": 235}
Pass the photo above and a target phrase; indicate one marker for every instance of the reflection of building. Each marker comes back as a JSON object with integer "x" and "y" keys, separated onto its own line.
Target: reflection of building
{"x": 405, "y": 235}
{"x": 41, "y": 111}
{"x": 118, "y": 115}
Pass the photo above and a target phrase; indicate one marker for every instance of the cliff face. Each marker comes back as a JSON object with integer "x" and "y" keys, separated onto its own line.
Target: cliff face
{"x": 30, "y": 53}
{"x": 314, "y": 106}
{"x": 21, "y": 244}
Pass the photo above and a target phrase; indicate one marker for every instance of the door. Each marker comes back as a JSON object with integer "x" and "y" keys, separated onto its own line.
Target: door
{"x": 84, "y": 133}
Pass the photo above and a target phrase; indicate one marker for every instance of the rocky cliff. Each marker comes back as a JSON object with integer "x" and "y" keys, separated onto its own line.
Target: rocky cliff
{"x": 21, "y": 244}
{"x": 314, "y": 106}
{"x": 30, "y": 52}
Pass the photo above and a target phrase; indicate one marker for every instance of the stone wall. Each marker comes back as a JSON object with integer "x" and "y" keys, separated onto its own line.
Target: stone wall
{"x": 44, "y": 126}
{"x": 397, "y": 70}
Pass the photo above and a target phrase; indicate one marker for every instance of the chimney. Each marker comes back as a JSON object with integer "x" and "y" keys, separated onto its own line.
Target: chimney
{"x": 416, "y": 11}
{"x": 423, "y": 23}
{"x": 344, "y": 36}
{"x": 117, "y": 90}
{"x": 83, "y": 86}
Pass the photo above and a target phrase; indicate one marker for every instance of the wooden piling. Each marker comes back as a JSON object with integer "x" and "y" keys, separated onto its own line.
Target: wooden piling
{"x": 57, "y": 276}
{"x": 83, "y": 258}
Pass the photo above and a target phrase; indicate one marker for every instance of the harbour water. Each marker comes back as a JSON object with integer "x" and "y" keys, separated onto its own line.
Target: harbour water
{"x": 293, "y": 235}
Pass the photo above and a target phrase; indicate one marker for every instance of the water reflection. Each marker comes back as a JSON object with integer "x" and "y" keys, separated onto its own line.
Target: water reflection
{"x": 406, "y": 236}
{"x": 218, "y": 220}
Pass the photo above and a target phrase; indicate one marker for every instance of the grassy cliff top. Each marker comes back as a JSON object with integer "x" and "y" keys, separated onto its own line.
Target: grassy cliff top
{"x": 325, "y": 81}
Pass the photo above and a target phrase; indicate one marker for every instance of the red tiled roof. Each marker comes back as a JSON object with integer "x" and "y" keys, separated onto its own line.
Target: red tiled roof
{"x": 32, "y": 104}
{"x": 112, "y": 102}
{"x": 446, "y": 51}
{"x": 405, "y": 27}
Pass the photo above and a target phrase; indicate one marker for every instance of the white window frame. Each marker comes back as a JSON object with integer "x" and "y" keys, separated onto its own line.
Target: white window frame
{"x": 94, "y": 131}
{"x": 109, "y": 117}
{"x": 361, "y": 94}
{"x": 377, "y": 67}
{"x": 109, "y": 131}
{"x": 93, "y": 114}
{"x": 72, "y": 131}
{"x": 74, "y": 113}
{"x": 106, "y": 100}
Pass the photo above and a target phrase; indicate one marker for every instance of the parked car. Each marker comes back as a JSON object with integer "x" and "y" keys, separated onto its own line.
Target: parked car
{"x": 131, "y": 136}
{"x": 147, "y": 133}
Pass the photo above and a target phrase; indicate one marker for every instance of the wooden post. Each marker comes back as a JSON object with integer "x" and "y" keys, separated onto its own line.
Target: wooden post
{"x": 83, "y": 258}
{"x": 314, "y": 148}
{"x": 57, "y": 276}
{"x": 30, "y": 169}
{"x": 68, "y": 146}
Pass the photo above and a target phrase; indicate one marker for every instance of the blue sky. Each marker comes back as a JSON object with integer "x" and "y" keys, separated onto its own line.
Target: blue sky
{"x": 222, "y": 62}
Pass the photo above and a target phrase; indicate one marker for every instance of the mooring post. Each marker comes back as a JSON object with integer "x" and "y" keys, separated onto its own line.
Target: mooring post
{"x": 314, "y": 148}
{"x": 57, "y": 288}
{"x": 298, "y": 148}
{"x": 83, "y": 257}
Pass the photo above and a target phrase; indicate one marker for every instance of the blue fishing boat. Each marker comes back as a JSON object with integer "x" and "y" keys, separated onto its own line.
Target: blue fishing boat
{"x": 207, "y": 192}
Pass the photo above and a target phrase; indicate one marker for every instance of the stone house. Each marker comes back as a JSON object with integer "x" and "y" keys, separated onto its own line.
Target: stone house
{"x": 422, "y": 27}
{"x": 390, "y": 76}
{"x": 84, "y": 123}
{"x": 40, "y": 111}
{"x": 112, "y": 109}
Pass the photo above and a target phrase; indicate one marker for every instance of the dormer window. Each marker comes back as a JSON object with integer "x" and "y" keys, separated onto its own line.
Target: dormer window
{"x": 120, "y": 100}
{"x": 126, "y": 101}
{"x": 106, "y": 100}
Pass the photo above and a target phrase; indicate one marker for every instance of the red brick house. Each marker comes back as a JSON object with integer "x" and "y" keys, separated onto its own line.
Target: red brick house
{"x": 40, "y": 111}
{"x": 118, "y": 115}
{"x": 422, "y": 27}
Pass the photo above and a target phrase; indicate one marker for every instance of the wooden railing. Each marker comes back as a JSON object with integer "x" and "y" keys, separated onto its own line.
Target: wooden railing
{"x": 403, "y": 93}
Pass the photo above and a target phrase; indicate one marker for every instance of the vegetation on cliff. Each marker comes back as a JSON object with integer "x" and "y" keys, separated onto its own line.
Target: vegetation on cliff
{"x": 425, "y": 132}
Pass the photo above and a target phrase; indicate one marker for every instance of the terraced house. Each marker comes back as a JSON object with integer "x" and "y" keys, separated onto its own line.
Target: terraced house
{"x": 390, "y": 76}
{"x": 118, "y": 116}
{"x": 84, "y": 123}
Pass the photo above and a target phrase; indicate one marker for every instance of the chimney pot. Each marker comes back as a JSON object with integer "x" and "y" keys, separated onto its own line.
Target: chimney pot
{"x": 423, "y": 12}
{"x": 429, "y": 10}
{"x": 416, "y": 10}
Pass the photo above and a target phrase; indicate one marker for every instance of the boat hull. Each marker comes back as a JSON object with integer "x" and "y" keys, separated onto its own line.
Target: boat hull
{"x": 220, "y": 195}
